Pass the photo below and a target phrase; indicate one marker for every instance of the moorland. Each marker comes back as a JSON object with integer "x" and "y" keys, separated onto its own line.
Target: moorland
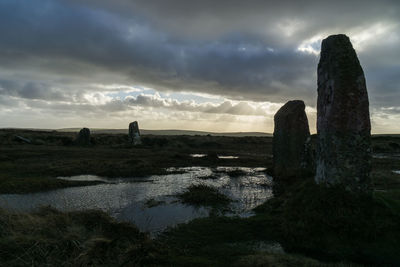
{"x": 315, "y": 226}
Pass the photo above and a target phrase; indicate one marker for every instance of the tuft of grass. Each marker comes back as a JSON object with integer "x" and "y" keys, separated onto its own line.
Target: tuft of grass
{"x": 204, "y": 195}
{"x": 48, "y": 237}
{"x": 209, "y": 177}
{"x": 236, "y": 173}
{"x": 150, "y": 203}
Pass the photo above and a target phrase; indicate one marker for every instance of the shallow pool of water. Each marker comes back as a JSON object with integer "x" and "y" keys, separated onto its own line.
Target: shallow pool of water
{"x": 127, "y": 201}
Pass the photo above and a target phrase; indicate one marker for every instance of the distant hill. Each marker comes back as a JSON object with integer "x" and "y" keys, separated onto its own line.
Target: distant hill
{"x": 167, "y": 132}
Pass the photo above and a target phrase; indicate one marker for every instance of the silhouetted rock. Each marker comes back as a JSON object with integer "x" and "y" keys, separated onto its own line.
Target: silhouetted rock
{"x": 134, "y": 133}
{"x": 83, "y": 138}
{"x": 343, "y": 123}
{"x": 291, "y": 134}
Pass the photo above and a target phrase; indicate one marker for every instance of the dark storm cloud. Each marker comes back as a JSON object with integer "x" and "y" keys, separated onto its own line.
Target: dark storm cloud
{"x": 238, "y": 49}
{"x": 279, "y": 22}
{"x": 54, "y": 35}
{"x": 30, "y": 90}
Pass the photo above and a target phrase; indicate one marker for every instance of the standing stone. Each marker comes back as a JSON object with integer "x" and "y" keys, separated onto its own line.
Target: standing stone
{"x": 83, "y": 138}
{"x": 343, "y": 123}
{"x": 291, "y": 135}
{"x": 134, "y": 133}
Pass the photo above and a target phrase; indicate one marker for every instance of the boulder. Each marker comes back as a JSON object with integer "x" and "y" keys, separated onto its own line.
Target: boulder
{"x": 83, "y": 137}
{"x": 343, "y": 121}
{"x": 291, "y": 159}
{"x": 134, "y": 133}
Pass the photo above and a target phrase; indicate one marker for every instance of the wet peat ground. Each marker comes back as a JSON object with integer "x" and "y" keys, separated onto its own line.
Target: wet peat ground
{"x": 214, "y": 240}
{"x": 33, "y": 167}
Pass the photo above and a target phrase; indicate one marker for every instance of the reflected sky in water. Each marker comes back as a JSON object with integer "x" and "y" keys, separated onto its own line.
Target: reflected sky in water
{"x": 125, "y": 199}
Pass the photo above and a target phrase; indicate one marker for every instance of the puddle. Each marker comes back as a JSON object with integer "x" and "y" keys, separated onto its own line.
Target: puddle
{"x": 220, "y": 157}
{"x": 228, "y": 157}
{"x": 126, "y": 201}
{"x": 386, "y": 156}
{"x": 397, "y": 172}
{"x": 198, "y": 155}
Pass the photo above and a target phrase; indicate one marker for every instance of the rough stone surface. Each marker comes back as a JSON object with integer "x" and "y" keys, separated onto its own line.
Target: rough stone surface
{"x": 83, "y": 137}
{"x": 343, "y": 121}
{"x": 134, "y": 133}
{"x": 291, "y": 136}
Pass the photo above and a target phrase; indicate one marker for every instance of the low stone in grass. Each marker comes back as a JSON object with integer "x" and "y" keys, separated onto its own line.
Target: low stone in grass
{"x": 83, "y": 138}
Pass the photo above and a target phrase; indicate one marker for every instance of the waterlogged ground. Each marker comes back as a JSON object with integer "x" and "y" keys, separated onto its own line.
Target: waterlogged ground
{"x": 150, "y": 203}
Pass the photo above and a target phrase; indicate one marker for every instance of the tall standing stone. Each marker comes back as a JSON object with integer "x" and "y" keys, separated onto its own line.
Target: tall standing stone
{"x": 291, "y": 134}
{"x": 134, "y": 133}
{"x": 343, "y": 122}
{"x": 83, "y": 137}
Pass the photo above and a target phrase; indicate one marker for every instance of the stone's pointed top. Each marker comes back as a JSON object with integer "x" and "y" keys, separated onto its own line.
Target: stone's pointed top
{"x": 336, "y": 42}
{"x": 334, "y": 38}
{"x": 293, "y": 106}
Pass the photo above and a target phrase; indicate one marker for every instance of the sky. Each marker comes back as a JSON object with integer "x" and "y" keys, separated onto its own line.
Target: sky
{"x": 207, "y": 65}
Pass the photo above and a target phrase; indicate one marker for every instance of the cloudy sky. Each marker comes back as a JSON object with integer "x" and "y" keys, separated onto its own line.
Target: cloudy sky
{"x": 178, "y": 64}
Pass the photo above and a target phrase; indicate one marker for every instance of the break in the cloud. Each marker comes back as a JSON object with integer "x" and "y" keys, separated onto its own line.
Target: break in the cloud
{"x": 226, "y": 64}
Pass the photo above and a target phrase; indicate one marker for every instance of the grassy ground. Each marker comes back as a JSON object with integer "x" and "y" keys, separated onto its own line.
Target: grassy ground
{"x": 48, "y": 237}
{"x": 33, "y": 167}
{"x": 51, "y": 238}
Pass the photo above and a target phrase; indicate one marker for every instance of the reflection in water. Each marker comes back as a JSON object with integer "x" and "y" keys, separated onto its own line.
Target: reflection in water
{"x": 397, "y": 172}
{"x": 126, "y": 200}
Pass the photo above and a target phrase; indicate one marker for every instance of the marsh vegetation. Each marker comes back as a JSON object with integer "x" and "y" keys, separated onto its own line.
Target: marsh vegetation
{"x": 307, "y": 226}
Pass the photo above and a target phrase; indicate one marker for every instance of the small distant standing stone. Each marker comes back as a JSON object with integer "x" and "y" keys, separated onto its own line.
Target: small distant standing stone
{"x": 343, "y": 120}
{"x": 291, "y": 133}
{"x": 83, "y": 137}
{"x": 134, "y": 133}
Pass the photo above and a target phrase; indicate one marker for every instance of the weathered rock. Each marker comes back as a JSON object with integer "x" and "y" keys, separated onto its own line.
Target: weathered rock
{"x": 134, "y": 133}
{"x": 343, "y": 123}
{"x": 291, "y": 136}
{"x": 83, "y": 138}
